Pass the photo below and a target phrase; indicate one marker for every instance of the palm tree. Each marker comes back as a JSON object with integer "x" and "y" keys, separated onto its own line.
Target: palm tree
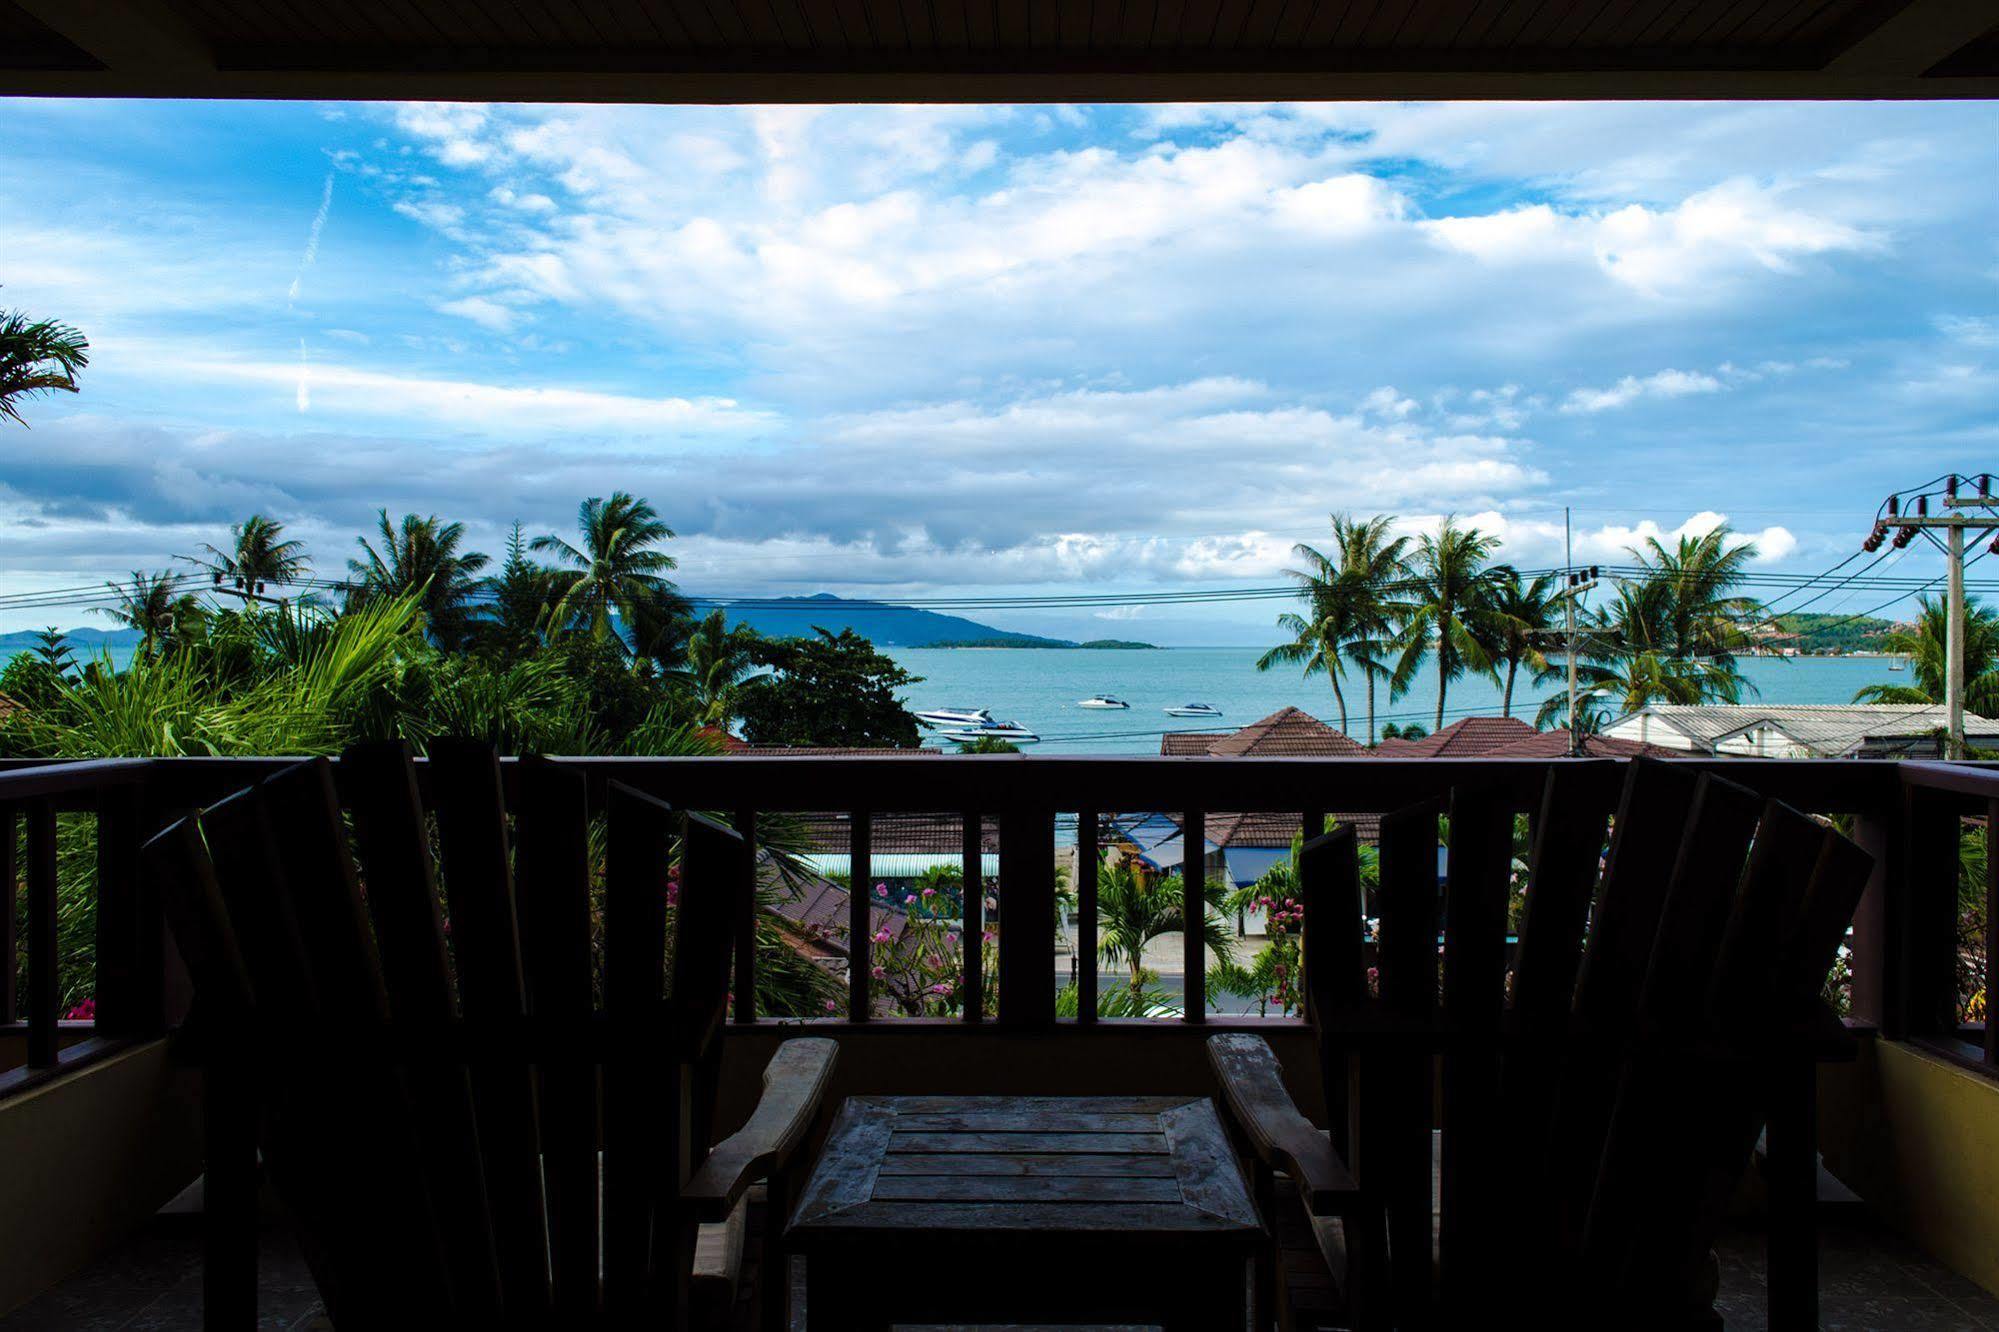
{"x": 1351, "y": 614}
{"x": 36, "y": 356}
{"x": 1690, "y": 607}
{"x": 1928, "y": 661}
{"x": 258, "y": 555}
{"x": 1451, "y": 610}
{"x": 1133, "y": 909}
{"x": 718, "y": 660}
{"x": 421, "y": 555}
{"x": 515, "y": 616}
{"x": 150, "y": 604}
{"x": 1628, "y": 681}
{"x": 618, "y": 570}
{"x": 1526, "y": 612}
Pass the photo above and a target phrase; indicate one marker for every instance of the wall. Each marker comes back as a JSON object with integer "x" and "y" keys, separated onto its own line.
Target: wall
{"x": 85, "y": 1158}
{"x": 1917, "y": 1136}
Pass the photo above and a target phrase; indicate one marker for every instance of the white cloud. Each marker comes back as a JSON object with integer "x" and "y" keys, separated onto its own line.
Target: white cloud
{"x": 1663, "y": 384}
{"x": 486, "y": 313}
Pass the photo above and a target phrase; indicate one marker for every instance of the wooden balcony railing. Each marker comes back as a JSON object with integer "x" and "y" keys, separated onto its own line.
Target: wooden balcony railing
{"x": 1905, "y": 946}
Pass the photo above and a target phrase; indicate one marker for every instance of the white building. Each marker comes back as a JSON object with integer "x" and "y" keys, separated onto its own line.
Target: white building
{"x": 1833, "y": 730}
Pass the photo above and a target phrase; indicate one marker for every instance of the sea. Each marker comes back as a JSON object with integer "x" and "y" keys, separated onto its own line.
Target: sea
{"x": 1040, "y": 689}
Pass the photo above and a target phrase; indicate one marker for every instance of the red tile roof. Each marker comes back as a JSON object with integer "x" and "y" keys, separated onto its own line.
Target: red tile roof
{"x": 826, "y": 751}
{"x": 1286, "y": 733}
{"x": 1555, "y": 744}
{"x": 897, "y": 834}
{"x": 1468, "y": 737}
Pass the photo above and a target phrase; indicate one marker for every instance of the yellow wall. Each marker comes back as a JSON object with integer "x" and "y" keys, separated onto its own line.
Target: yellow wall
{"x": 86, "y": 1158}
{"x": 1922, "y": 1147}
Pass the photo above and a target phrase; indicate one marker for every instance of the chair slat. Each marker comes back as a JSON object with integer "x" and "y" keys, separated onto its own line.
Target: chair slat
{"x": 744, "y": 984}
{"x": 1650, "y": 823}
{"x": 552, "y": 859}
{"x": 1569, "y": 831}
{"x": 394, "y": 840}
{"x": 1651, "y": 1104}
{"x": 366, "y": 1107}
{"x": 1471, "y": 1190}
{"x": 471, "y": 814}
{"x": 1393, "y": 1153}
{"x": 643, "y": 1121}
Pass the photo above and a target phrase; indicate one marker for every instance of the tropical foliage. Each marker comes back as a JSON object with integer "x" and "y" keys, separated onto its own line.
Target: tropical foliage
{"x": 37, "y": 356}
{"x": 830, "y": 689}
{"x": 421, "y": 556}
{"x": 1387, "y": 608}
{"x": 1135, "y": 907}
{"x": 1924, "y": 644}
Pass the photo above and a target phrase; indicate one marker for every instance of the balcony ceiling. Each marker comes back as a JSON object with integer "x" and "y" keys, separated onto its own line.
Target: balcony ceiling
{"x": 994, "y": 50}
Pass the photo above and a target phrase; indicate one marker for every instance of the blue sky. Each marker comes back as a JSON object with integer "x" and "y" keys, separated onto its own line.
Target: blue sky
{"x": 910, "y": 351}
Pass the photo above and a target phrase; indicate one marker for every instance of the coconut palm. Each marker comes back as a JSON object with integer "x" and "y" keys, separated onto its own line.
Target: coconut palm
{"x": 1928, "y": 662}
{"x": 258, "y": 555}
{"x": 719, "y": 659}
{"x": 421, "y": 555}
{"x": 1351, "y": 612}
{"x": 1133, "y": 909}
{"x": 151, "y": 604}
{"x": 1627, "y": 681}
{"x": 1450, "y": 615}
{"x": 1526, "y": 612}
{"x": 618, "y": 570}
{"x": 1687, "y": 604}
{"x": 36, "y": 356}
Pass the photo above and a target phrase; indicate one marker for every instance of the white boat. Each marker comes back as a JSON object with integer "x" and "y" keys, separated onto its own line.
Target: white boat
{"x": 956, "y": 717}
{"x": 1194, "y": 710}
{"x": 1897, "y": 665}
{"x": 1102, "y": 701}
{"x": 1010, "y": 731}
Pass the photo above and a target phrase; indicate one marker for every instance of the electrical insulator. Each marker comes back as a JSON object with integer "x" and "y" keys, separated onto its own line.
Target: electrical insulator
{"x": 1922, "y": 506}
{"x": 1894, "y": 505}
{"x": 1903, "y": 536}
{"x": 1875, "y": 538}
{"x": 1950, "y": 486}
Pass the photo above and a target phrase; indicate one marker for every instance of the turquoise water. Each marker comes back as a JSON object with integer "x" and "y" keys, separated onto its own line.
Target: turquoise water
{"x": 1040, "y": 688}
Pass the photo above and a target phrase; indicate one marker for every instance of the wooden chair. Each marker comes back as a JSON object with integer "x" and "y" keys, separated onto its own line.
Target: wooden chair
{"x": 466, "y": 1128}
{"x": 1601, "y": 1094}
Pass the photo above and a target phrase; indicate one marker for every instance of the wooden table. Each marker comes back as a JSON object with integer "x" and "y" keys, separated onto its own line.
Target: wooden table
{"x": 1027, "y": 1208}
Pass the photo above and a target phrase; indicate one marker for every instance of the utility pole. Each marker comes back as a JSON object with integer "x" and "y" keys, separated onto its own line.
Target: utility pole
{"x": 1977, "y": 513}
{"x": 1579, "y": 582}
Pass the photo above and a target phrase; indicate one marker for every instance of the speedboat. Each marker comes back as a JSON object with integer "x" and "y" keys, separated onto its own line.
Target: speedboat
{"x": 1012, "y": 731}
{"x": 1194, "y": 710}
{"x": 1102, "y": 701}
{"x": 977, "y": 717}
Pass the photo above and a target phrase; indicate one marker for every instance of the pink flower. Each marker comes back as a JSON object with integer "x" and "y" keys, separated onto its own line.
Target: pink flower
{"x": 830, "y": 1006}
{"x": 881, "y": 890}
{"x": 910, "y": 900}
{"x": 930, "y": 892}
{"x": 83, "y": 1012}
{"x": 951, "y": 937}
{"x": 879, "y": 972}
{"x": 988, "y": 937}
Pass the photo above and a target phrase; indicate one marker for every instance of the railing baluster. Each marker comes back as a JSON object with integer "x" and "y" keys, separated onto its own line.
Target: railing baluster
{"x": 119, "y": 950}
{"x": 745, "y": 980}
{"x": 42, "y": 978}
{"x": 1086, "y": 916}
{"x": 1991, "y": 933}
{"x": 1027, "y": 918}
{"x": 972, "y": 916}
{"x": 1194, "y": 911}
{"x": 860, "y": 914}
{"x": 10, "y": 1008}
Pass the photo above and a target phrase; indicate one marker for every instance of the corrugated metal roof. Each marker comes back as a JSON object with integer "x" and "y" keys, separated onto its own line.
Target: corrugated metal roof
{"x": 1831, "y": 728}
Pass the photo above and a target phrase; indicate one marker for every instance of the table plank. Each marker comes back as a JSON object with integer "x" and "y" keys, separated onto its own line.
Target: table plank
{"x": 1085, "y": 1189}
{"x": 971, "y": 1163}
{"x": 1027, "y": 1119}
{"x": 1205, "y": 1164}
{"x": 1145, "y": 1143}
{"x": 1049, "y": 1219}
{"x": 1103, "y": 1105}
{"x": 845, "y": 1175}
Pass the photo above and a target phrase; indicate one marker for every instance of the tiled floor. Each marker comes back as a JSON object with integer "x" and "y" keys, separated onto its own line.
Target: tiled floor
{"x": 1869, "y": 1278}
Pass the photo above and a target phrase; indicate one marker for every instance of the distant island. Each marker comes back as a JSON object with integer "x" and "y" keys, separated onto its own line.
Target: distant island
{"x": 1818, "y": 635}
{"x": 889, "y": 626}
{"x": 1124, "y": 644}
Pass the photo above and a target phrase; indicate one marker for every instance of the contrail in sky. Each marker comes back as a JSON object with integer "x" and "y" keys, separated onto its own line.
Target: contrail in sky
{"x": 312, "y": 236}
{"x": 304, "y": 378}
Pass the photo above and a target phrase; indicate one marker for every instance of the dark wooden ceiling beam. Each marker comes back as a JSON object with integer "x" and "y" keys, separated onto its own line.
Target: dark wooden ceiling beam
{"x": 126, "y": 35}
{"x": 1921, "y": 36}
